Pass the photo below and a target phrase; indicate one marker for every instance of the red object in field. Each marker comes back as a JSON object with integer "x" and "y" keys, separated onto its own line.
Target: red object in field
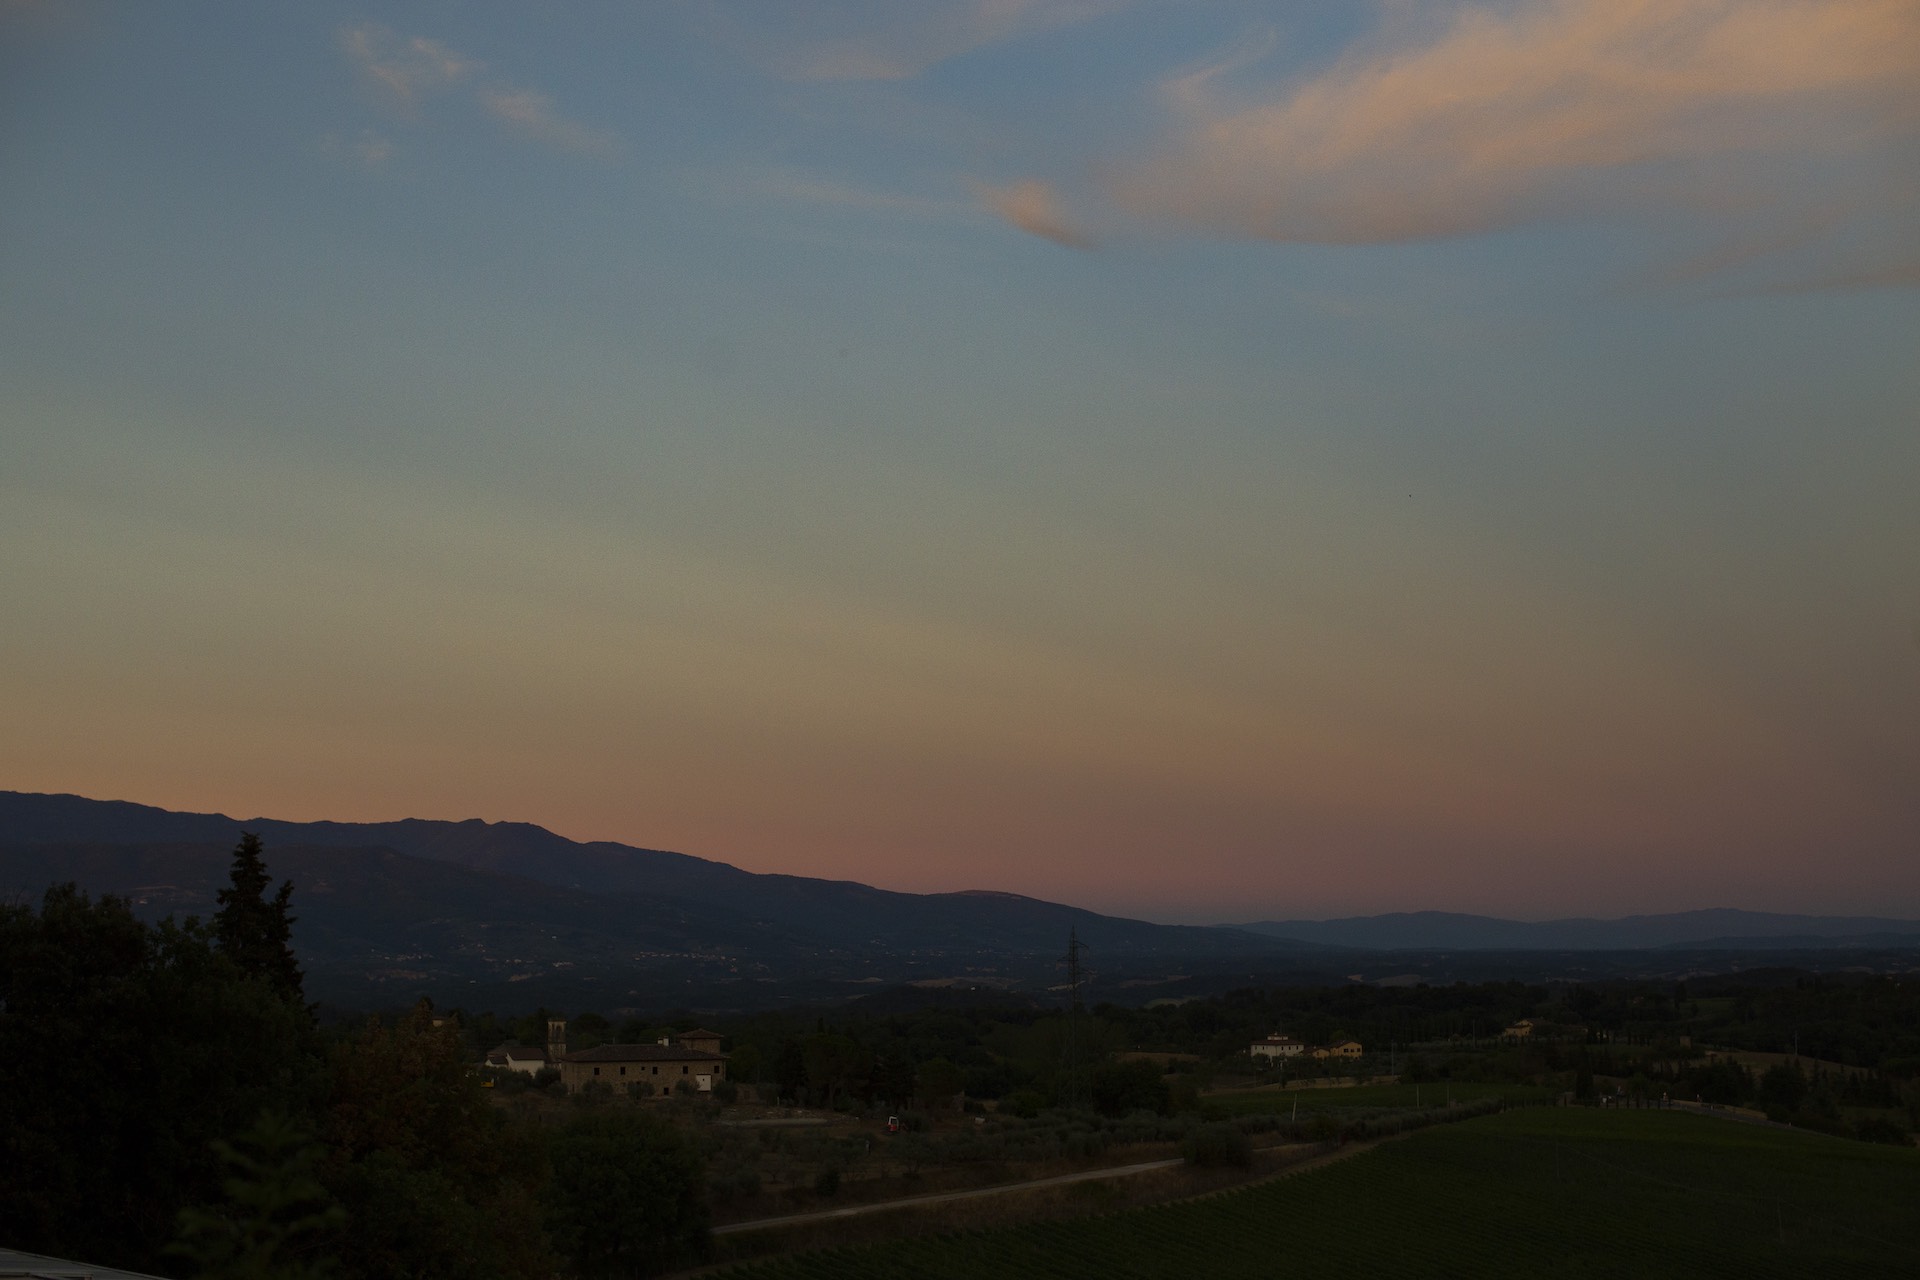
{"x": 893, "y": 1124}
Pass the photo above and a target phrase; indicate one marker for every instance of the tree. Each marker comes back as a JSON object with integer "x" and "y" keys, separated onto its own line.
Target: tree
{"x": 1120, "y": 1088}
{"x": 833, "y": 1064}
{"x": 626, "y": 1197}
{"x": 1783, "y": 1087}
{"x": 790, "y": 1069}
{"x": 276, "y": 1219}
{"x": 937, "y": 1083}
{"x": 437, "y": 1183}
{"x": 100, "y": 1163}
{"x": 255, "y": 933}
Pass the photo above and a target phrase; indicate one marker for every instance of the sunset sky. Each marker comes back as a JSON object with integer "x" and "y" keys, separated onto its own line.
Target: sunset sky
{"x": 1198, "y": 459}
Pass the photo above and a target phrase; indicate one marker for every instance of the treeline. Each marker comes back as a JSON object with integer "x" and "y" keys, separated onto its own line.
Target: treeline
{"x": 169, "y": 1105}
{"x": 1028, "y": 1058}
{"x": 1818, "y": 1098}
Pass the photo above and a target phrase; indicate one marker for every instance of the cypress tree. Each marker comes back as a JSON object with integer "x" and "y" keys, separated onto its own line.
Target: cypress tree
{"x": 254, "y": 932}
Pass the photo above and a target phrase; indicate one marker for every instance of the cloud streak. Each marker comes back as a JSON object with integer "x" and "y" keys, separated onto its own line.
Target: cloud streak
{"x": 1551, "y": 109}
{"x": 1034, "y": 206}
{"x": 408, "y": 70}
{"x": 532, "y": 115}
{"x": 404, "y": 70}
{"x": 1751, "y": 122}
{"x": 368, "y": 151}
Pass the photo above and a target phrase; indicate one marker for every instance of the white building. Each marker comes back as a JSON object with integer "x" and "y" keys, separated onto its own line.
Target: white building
{"x": 1277, "y": 1046}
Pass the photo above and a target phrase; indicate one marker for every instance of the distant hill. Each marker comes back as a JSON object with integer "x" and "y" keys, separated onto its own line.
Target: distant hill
{"x": 430, "y": 901}
{"x": 1721, "y": 928}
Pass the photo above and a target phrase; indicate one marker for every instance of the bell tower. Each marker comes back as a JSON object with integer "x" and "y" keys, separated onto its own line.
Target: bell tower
{"x": 556, "y": 1039}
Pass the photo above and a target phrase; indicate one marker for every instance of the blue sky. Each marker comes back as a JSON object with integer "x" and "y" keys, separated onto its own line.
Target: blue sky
{"x": 1194, "y": 459}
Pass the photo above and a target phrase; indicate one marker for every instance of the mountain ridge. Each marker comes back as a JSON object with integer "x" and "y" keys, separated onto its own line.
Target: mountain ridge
{"x": 1728, "y": 927}
{"x": 611, "y": 902}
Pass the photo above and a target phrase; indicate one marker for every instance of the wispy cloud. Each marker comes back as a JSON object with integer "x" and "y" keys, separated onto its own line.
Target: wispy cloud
{"x": 788, "y": 185}
{"x": 1882, "y": 275}
{"x": 1036, "y": 207}
{"x": 369, "y": 150}
{"x": 1750, "y": 118}
{"x": 407, "y": 70}
{"x": 532, "y": 115}
{"x": 889, "y": 39}
{"x": 1554, "y": 108}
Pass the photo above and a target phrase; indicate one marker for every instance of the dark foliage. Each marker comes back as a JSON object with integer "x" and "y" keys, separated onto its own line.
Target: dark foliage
{"x": 625, "y": 1198}
{"x": 1119, "y": 1088}
{"x": 125, "y": 1051}
{"x": 276, "y": 1223}
{"x": 256, "y": 932}
{"x": 435, "y": 1182}
{"x": 1217, "y": 1146}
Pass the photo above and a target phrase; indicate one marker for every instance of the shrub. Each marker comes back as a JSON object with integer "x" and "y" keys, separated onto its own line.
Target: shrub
{"x": 739, "y": 1182}
{"x": 1876, "y": 1129}
{"x": 1216, "y": 1146}
{"x": 1024, "y": 1103}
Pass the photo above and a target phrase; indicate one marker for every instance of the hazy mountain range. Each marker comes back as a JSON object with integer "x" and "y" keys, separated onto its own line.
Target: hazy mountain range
{"x": 427, "y": 903}
{"x": 416, "y": 905}
{"x": 1722, "y": 927}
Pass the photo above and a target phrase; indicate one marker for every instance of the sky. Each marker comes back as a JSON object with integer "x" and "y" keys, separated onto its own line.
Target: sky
{"x": 1201, "y": 459}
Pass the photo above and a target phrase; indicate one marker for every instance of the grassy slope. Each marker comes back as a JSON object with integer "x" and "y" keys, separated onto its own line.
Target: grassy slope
{"x": 1537, "y": 1192}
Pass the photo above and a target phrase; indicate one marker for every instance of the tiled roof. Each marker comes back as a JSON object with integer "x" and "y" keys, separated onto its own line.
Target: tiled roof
{"x": 514, "y": 1049}
{"x": 698, "y": 1033}
{"x": 644, "y": 1053}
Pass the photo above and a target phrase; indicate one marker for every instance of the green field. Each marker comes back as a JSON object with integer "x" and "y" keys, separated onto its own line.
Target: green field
{"x": 1267, "y": 1102}
{"x": 1542, "y": 1191}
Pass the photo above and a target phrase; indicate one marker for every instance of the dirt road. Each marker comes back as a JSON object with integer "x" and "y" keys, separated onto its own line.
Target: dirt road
{"x": 941, "y": 1197}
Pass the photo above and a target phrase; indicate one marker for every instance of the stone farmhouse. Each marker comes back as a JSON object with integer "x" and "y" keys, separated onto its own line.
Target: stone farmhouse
{"x": 692, "y": 1057}
{"x": 1338, "y": 1049}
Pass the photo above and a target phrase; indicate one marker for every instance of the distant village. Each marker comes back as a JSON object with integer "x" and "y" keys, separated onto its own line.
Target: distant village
{"x": 1281, "y": 1048}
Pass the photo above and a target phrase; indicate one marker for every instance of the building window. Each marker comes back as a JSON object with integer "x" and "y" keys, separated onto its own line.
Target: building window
{"x": 596, "y": 1071}
{"x": 623, "y": 1071}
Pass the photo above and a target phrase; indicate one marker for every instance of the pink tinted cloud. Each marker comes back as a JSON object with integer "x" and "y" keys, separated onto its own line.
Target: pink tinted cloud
{"x": 1544, "y": 109}
{"x": 1035, "y": 207}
